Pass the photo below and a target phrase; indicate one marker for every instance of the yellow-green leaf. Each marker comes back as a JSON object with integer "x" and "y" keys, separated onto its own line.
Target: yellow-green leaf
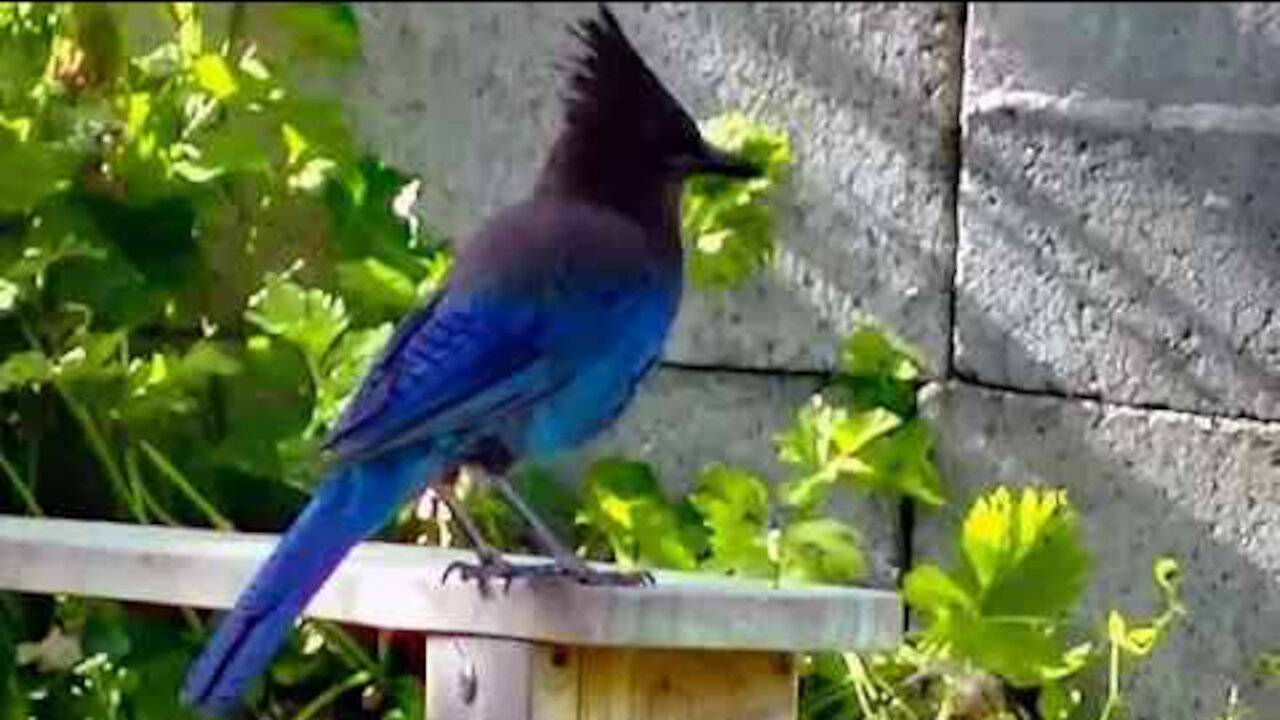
{"x": 214, "y": 75}
{"x": 1025, "y": 552}
{"x": 729, "y": 224}
{"x": 823, "y": 550}
{"x": 872, "y": 352}
{"x": 929, "y": 589}
{"x": 735, "y": 508}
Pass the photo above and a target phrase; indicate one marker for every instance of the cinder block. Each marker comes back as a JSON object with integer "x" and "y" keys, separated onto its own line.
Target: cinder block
{"x": 467, "y": 96}
{"x": 1113, "y": 248}
{"x": 684, "y": 420}
{"x": 1158, "y": 52}
{"x": 1146, "y": 483}
{"x": 1134, "y": 266}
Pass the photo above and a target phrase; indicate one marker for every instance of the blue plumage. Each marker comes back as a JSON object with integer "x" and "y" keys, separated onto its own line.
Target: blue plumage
{"x": 553, "y": 313}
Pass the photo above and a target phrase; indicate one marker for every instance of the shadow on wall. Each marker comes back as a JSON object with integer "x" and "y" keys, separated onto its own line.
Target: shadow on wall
{"x": 1141, "y": 290}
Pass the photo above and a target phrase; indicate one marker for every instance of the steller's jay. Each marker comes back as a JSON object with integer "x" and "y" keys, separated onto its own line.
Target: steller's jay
{"x": 552, "y": 314}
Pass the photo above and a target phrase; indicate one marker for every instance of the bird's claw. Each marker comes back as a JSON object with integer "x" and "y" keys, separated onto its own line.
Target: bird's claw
{"x": 490, "y": 568}
{"x": 585, "y": 575}
{"x": 588, "y": 576}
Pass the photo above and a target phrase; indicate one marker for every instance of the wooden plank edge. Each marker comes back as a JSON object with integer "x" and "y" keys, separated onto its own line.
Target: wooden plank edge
{"x": 399, "y": 587}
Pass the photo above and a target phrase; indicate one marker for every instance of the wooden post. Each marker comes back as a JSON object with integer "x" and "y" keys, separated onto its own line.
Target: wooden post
{"x": 471, "y": 678}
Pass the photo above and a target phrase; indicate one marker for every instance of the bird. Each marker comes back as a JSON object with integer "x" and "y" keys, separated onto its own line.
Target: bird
{"x": 554, "y": 311}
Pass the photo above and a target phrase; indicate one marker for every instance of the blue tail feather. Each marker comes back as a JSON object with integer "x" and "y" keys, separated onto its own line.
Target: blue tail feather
{"x": 348, "y": 507}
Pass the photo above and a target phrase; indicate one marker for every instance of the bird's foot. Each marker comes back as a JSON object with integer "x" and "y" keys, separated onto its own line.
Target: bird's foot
{"x": 492, "y": 566}
{"x": 589, "y": 576}
{"x": 495, "y": 568}
{"x": 573, "y": 568}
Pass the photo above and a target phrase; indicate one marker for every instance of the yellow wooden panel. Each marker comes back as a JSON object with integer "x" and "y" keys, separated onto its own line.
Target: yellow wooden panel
{"x": 630, "y": 684}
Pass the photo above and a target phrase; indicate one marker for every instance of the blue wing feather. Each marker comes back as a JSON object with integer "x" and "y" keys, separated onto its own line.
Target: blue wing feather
{"x": 444, "y": 372}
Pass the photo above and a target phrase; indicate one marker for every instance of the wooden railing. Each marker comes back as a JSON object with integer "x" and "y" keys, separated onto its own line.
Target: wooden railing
{"x": 692, "y": 647}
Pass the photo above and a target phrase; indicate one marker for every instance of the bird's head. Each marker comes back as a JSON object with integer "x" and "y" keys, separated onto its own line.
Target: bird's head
{"x": 619, "y": 113}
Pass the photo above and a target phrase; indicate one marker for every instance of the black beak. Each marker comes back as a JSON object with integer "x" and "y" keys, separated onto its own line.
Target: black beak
{"x": 709, "y": 160}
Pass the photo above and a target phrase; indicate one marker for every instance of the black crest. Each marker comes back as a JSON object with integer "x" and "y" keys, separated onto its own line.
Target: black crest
{"x": 611, "y": 86}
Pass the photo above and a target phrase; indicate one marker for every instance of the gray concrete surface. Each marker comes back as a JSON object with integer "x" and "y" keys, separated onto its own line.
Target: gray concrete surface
{"x": 467, "y": 96}
{"x": 1146, "y": 483}
{"x": 1122, "y": 243}
{"x": 1157, "y": 52}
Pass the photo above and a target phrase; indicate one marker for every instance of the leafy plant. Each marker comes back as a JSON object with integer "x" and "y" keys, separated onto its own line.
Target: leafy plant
{"x": 160, "y": 163}
{"x": 1023, "y": 567}
{"x": 729, "y": 225}
{"x": 996, "y": 631}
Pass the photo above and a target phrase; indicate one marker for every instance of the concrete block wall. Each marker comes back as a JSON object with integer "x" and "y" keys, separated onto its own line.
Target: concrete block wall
{"x": 1116, "y": 292}
{"x": 1091, "y": 268}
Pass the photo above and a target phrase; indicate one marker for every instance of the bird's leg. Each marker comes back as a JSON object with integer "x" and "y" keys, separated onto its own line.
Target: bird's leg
{"x": 492, "y": 564}
{"x": 566, "y": 563}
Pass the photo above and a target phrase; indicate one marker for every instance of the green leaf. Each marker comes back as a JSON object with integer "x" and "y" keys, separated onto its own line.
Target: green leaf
{"x": 824, "y": 551}
{"x": 169, "y": 384}
{"x": 118, "y": 294}
{"x": 902, "y": 462}
{"x": 930, "y": 590}
{"x": 367, "y": 224}
{"x": 94, "y": 358}
{"x": 32, "y": 172}
{"x": 377, "y": 292}
{"x": 623, "y": 501}
{"x": 268, "y": 402}
{"x": 247, "y": 141}
{"x": 1024, "y": 569}
{"x": 214, "y": 75}
{"x": 104, "y": 630}
{"x": 825, "y": 445}
{"x": 1027, "y": 654}
{"x": 311, "y": 319}
{"x": 1025, "y": 552}
{"x": 162, "y": 674}
{"x": 407, "y": 699}
{"x": 319, "y": 128}
{"x": 344, "y": 367}
{"x": 24, "y": 53}
{"x": 1058, "y": 701}
{"x": 729, "y": 224}
{"x": 318, "y": 30}
{"x": 879, "y": 370}
{"x": 735, "y": 508}
{"x": 1137, "y": 641}
{"x": 64, "y": 233}
{"x": 158, "y": 239}
{"x": 9, "y": 293}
